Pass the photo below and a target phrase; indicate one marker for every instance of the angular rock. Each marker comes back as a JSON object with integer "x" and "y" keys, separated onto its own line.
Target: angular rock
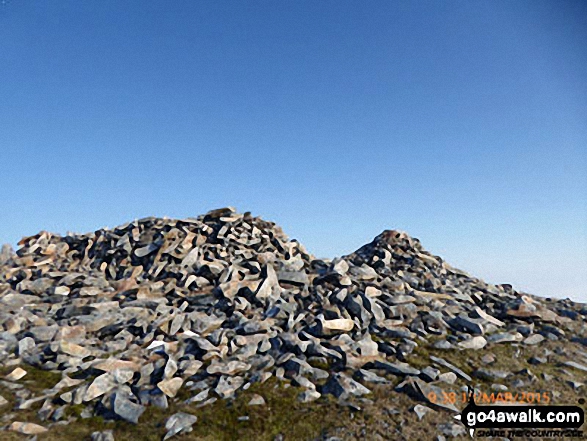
{"x": 27, "y": 428}
{"x": 179, "y": 423}
{"x": 341, "y": 385}
{"x": 126, "y": 409}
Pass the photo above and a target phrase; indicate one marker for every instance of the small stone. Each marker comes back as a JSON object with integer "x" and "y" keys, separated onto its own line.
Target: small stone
{"x": 448, "y": 377}
{"x": 371, "y": 377}
{"x": 170, "y": 387}
{"x": 227, "y": 386}
{"x": 575, "y": 384}
{"x": 122, "y": 376}
{"x": 102, "y": 384}
{"x": 421, "y": 410}
{"x": 456, "y": 370}
{"x": 477, "y": 342}
{"x": 308, "y": 396}
{"x": 61, "y": 291}
{"x": 491, "y": 374}
{"x": 26, "y": 428}
{"x": 397, "y": 368}
{"x": 342, "y": 385}
{"x": 106, "y": 435}
{"x": 201, "y": 396}
{"x": 73, "y": 349}
{"x": 327, "y": 327}
{"x": 533, "y": 339}
{"x": 25, "y": 345}
{"x": 3, "y": 401}
{"x": 451, "y": 429}
{"x": 537, "y": 360}
{"x": 16, "y": 374}
{"x": 126, "y": 409}
{"x": 505, "y": 337}
{"x": 488, "y": 359}
{"x": 429, "y": 374}
{"x": 442, "y": 344}
{"x": 179, "y": 423}
{"x": 575, "y": 365}
{"x": 256, "y": 400}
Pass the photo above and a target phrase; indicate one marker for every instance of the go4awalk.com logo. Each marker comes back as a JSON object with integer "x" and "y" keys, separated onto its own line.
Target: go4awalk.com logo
{"x": 530, "y": 421}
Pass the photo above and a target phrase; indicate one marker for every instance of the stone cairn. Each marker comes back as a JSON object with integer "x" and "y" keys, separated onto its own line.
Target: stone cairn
{"x": 130, "y": 316}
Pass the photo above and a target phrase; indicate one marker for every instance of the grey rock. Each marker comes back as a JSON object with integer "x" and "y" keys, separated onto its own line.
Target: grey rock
{"x": 533, "y": 339}
{"x": 505, "y": 337}
{"x": 575, "y": 365}
{"x": 340, "y": 385}
{"x": 256, "y": 400}
{"x": 106, "y": 435}
{"x": 126, "y": 409}
{"x": 491, "y": 374}
{"x": 474, "y": 326}
{"x": 429, "y": 374}
{"x": 179, "y": 423}
{"x": 397, "y": 368}
{"x": 308, "y": 396}
{"x": 421, "y": 411}
{"x": 442, "y": 344}
{"x": 446, "y": 364}
{"x": 299, "y": 278}
{"x": 371, "y": 377}
{"x": 227, "y": 386}
{"x": 452, "y": 429}
{"x": 477, "y": 342}
{"x": 25, "y": 345}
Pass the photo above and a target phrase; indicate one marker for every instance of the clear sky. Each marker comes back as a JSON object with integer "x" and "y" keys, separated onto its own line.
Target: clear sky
{"x": 463, "y": 123}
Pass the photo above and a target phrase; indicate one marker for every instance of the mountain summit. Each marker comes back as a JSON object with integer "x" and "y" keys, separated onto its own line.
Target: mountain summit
{"x": 180, "y": 313}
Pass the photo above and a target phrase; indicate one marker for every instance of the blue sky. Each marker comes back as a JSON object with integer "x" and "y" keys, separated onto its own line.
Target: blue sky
{"x": 463, "y": 123}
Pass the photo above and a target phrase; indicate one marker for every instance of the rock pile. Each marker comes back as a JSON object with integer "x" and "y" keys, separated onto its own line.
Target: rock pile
{"x": 198, "y": 309}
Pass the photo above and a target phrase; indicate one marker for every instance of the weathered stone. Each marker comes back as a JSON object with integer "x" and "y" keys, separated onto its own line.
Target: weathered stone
{"x": 429, "y": 374}
{"x": 27, "y": 428}
{"x": 575, "y": 365}
{"x": 342, "y": 385}
{"x": 256, "y": 400}
{"x": 230, "y": 368}
{"x": 227, "y": 386}
{"x": 371, "y": 377}
{"x": 446, "y": 364}
{"x": 477, "y": 342}
{"x": 102, "y": 384}
{"x": 328, "y": 327}
{"x": 179, "y": 423}
{"x": 170, "y": 387}
{"x": 126, "y": 409}
{"x": 106, "y": 435}
{"x": 397, "y": 368}
{"x": 16, "y": 374}
{"x": 308, "y": 396}
{"x": 421, "y": 411}
{"x": 74, "y": 349}
{"x": 25, "y": 345}
{"x": 505, "y": 337}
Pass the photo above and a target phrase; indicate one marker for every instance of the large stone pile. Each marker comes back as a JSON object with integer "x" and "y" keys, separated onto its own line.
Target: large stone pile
{"x": 134, "y": 315}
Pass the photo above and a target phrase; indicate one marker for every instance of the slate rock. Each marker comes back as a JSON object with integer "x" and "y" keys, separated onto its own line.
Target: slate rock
{"x": 179, "y": 423}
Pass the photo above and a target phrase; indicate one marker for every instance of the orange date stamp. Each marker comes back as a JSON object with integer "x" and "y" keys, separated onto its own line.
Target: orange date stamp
{"x": 523, "y": 397}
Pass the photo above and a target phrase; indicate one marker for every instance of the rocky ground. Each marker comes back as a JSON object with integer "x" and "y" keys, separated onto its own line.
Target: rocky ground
{"x": 221, "y": 328}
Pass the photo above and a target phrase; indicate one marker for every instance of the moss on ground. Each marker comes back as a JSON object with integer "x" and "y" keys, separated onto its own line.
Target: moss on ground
{"x": 284, "y": 414}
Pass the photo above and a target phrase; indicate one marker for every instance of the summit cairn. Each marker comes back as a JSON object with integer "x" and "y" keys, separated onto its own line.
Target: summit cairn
{"x": 192, "y": 311}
